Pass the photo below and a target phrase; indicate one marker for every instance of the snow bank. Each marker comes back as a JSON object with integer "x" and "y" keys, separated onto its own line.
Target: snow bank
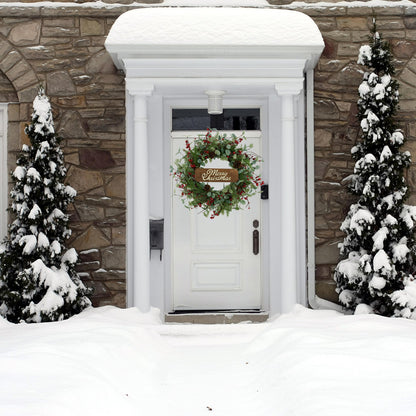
{"x": 108, "y": 361}
{"x": 87, "y": 365}
{"x": 324, "y": 363}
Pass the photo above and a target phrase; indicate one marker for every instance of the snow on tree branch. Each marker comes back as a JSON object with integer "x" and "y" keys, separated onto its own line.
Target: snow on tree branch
{"x": 37, "y": 282}
{"x": 379, "y": 265}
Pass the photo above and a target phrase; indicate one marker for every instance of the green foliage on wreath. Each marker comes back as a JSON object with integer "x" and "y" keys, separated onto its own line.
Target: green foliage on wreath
{"x": 234, "y": 195}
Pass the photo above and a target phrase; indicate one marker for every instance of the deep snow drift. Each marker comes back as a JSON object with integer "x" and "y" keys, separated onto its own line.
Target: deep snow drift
{"x": 108, "y": 361}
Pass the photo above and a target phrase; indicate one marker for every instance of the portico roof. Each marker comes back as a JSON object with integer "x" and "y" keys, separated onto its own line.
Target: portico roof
{"x": 210, "y": 32}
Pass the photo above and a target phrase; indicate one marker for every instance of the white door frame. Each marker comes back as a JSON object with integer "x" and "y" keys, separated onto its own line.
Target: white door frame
{"x": 285, "y": 281}
{"x": 243, "y": 102}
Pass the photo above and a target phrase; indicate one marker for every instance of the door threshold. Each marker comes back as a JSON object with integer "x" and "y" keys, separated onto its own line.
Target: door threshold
{"x": 217, "y": 317}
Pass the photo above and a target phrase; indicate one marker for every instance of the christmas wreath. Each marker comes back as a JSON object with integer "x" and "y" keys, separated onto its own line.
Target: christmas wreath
{"x": 198, "y": 193}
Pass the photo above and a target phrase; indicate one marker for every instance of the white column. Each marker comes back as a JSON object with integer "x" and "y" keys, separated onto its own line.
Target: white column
{"x": 140, "y": 206}
{"x": 288, "y": 90}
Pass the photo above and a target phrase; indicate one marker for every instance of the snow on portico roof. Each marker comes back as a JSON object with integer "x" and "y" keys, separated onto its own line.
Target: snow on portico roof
{"x": 214, "y": 26}
{"x": 221, "y": 30}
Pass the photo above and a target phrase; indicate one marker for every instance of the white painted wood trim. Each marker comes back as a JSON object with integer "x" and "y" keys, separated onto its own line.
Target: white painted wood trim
{"x": 141, "y": 268}
{"x": 300, "y": 162}
{"x": 288, "y": 91}
{"x": 257, "y": 70}
{"x": 3, "y": 171}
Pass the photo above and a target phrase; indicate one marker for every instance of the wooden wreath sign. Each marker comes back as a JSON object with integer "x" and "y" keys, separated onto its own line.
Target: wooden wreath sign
{"x": 193, "y": 178}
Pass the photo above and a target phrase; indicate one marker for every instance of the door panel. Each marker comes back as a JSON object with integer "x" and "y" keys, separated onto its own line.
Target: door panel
{"x": 213, "y": 264}
{"x": 216, "y": 276}
{"x": 205, "y": 233}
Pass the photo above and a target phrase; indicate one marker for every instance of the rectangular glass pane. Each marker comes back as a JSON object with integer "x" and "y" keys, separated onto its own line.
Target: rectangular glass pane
{"x": 241, "y": 119}
{"x": 231, "y": 119}
{"x": 190, "y": 119}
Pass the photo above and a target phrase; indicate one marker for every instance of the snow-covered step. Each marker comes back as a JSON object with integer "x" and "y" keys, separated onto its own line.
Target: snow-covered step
{"x": 217, "y": 317}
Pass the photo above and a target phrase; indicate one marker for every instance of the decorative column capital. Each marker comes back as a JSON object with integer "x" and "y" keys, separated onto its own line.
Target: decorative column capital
{"x": 137, "y": 87}
{"x": 289, "y": 86}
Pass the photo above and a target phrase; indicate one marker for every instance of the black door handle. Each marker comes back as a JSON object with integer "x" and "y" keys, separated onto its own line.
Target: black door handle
{"x": 256, "y": 239}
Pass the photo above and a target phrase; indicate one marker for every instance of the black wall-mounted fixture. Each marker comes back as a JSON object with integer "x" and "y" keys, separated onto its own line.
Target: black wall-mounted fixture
{"x": 264, "y": 192}
{"x": 156, "y": 236}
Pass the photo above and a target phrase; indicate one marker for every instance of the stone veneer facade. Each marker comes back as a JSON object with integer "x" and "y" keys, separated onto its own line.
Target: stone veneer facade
{"x": 63, "y": 49}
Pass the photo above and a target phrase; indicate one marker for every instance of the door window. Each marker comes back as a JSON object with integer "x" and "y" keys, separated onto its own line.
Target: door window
{"x": 245, "y": 119}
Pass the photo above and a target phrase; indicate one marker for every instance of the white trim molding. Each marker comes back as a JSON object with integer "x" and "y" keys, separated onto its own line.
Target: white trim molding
{"x": 289, "y": 86}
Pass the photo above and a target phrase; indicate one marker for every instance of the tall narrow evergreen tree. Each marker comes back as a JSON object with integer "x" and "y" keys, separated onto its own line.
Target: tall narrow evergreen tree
{"x": 38, "y": 281}
{"x": 379, "y": 245}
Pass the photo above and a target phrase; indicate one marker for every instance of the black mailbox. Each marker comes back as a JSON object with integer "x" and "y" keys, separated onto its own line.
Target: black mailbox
{"x": 156, "y": 236}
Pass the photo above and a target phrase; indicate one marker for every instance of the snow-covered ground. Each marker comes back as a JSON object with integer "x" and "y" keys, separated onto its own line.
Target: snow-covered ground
{"x": 109, "y": 361}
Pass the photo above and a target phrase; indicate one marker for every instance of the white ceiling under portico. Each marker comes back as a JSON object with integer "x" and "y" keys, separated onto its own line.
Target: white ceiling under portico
{"x": 214, "y": 32}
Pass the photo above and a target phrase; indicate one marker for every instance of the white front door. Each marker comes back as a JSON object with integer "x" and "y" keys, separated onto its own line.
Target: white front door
{"x": 214, "y": 261}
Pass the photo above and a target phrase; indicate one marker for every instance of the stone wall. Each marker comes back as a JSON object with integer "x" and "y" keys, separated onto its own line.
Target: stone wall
{"x": 62, "y": 48}
{"x": 66, "y": 54}
{"x": 337, "y": 78}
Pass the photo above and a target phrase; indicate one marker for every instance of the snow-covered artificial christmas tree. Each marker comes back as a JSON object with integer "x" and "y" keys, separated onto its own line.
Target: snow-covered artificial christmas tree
{"x": 38, "y": 281}
{"x": 379, "y": 247}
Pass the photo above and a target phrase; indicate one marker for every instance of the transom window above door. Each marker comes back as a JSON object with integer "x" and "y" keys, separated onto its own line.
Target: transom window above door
{"x": 185, "y": 119}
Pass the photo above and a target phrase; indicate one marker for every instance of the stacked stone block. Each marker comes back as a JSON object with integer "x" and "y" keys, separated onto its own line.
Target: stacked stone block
{"x": 337, "y": 78}
{"x": 63, "y": 49}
